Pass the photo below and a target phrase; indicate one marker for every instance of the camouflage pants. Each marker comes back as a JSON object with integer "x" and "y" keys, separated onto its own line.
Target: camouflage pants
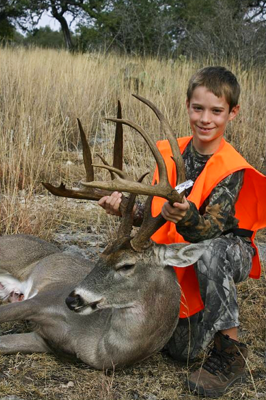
{"x": 226, "y": 262}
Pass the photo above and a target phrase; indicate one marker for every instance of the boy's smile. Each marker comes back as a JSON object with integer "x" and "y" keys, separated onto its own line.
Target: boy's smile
{"x": 208, "y": 117}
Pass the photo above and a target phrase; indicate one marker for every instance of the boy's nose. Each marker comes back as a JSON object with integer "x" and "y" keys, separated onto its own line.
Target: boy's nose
{"x": 205, "y": 117}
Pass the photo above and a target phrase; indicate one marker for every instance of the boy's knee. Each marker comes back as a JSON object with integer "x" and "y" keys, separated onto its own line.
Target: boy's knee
{"x": 214, "y": 262}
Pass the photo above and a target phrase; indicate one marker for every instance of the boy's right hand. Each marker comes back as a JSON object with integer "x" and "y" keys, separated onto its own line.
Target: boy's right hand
{"x": 175, "y": 212}
{"x": 111, "y": 203}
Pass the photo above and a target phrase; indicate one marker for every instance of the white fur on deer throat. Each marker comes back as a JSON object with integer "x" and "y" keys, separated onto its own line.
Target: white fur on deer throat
{"x": 9, "y": 284}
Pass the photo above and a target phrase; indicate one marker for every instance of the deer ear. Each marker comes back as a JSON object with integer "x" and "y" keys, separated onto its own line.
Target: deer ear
{"x": 182, "y": 255}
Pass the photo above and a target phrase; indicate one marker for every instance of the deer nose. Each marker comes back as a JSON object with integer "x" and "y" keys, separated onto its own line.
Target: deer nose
{"x": 74, "y": 301}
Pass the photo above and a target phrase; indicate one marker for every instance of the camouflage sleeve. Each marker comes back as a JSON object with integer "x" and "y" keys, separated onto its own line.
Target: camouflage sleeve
{"x": 216, "y": 215}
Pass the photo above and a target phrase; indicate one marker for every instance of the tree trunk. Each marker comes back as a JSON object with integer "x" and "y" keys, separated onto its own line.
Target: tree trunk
{"x": 66, "y": 31}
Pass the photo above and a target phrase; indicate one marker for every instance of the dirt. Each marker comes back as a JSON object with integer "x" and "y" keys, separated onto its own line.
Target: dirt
{"x": 41, "y": 376}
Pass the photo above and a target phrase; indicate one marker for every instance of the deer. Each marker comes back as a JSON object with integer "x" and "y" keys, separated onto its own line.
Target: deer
{"x": 117, "y": 312}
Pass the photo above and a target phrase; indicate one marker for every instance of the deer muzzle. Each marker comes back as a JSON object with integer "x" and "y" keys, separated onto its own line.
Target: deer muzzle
{"x": 76, "y": 303}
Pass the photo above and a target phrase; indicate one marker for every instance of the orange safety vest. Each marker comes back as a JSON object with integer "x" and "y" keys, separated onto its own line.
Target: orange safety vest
{"x": 250, "y": 209}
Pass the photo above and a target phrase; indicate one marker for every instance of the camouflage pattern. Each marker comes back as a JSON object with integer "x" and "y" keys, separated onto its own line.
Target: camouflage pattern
{"x": 216, "y": 215}
{"x": 226, "y": 262}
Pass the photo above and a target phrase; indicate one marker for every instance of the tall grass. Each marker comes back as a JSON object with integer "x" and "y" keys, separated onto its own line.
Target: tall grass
{"x": 42, "y": 92}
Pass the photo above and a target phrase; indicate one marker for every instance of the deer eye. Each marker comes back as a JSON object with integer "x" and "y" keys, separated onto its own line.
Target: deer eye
{"x": 125, "y": 268}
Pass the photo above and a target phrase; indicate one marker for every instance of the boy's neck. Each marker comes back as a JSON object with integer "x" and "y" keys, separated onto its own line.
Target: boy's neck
{"x": 206, "y": 149}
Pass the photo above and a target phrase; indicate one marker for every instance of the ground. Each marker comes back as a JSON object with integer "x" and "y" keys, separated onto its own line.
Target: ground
{"x": 39, "y": 376}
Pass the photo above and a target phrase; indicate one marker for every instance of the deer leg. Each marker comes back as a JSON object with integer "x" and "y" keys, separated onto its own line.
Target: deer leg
{"x": 23, "y": 343}
{"x": 19, "y": 311}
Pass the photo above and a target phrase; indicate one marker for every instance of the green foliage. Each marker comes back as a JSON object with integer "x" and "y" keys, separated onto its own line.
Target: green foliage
{"x": 132, "y": 26}
{"x": 186, "y": 28}
{"x": 196, "y": 12}
{"x": 7, "y": 30}
{"x": 45, "y": 37}
{"x": 190, "y": 28}
{"x": 89, "y": 39}
{"x": 10, "y": 11}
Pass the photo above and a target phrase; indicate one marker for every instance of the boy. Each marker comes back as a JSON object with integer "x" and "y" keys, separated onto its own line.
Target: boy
{"x": 213, "y": 209}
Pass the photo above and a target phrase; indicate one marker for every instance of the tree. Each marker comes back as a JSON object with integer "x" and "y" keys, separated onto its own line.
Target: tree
{"x": 225, "y": 29}
{"x": 257, "y": 10}
{"x": 59, "y": 9}
{"x": 141, "y": 26}
{"x": 10, "y": 12}
{"x": 27, "y": 13}
{"x": 133, "y": 26}
{"x": 156, "y": 27}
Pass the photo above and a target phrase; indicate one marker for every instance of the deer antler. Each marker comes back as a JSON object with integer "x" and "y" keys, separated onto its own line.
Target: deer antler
{"x": 95, "y": 190}
{"x": 162, "y": 189}
{"x": 166, "y": 128}
{"x": 92, "y": 193}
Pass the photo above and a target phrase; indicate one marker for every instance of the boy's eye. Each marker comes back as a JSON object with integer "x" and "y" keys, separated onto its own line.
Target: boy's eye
{"x": 216, "y": 111}
{"x": 197, "y": 108}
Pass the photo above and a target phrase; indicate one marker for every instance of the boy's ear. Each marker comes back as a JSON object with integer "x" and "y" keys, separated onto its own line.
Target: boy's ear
{"x": 233, "y": 113}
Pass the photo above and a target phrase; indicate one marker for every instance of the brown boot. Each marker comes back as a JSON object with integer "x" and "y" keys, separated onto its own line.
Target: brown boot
{"x": 224, "y": 366}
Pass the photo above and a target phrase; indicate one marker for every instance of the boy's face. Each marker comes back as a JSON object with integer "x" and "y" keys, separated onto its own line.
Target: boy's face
{"x": 208, "y": 117}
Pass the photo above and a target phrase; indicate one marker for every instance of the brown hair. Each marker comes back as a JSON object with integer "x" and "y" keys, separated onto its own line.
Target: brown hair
{"x": 217, "y": 80}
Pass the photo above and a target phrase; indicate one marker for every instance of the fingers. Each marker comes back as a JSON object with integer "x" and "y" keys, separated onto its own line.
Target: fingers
{"x": 181, "y": 206}
{"x": 111, "y": 203}
{"x": 176, "y": 212}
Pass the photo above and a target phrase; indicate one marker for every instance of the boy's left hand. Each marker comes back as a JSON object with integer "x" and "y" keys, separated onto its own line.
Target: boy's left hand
{"x": 175, "y": 212}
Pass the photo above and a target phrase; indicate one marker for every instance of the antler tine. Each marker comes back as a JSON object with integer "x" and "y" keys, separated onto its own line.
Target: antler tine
{"x": 149, "y": 225}
{"x": 105, "y": 163}
{"x": 118, "y": 145}
{"x": 120, "y": 173}
{"x": 163, "y": 189}
{"x": 157, "y": 155}
{"x": 177, "y": 157}
{"x": 62, "y": 191}
{"x": 86, "y": 154}
{"x": 91, "y": 193}
{"x": 87, "y": 194}
{"x": 127, "y": 214}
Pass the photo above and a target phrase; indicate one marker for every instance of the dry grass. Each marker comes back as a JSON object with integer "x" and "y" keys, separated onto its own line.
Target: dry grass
{"x": 42, "y": 92}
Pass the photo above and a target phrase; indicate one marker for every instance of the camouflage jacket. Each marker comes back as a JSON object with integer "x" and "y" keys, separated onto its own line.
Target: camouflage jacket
{"x": 216, "y": 215}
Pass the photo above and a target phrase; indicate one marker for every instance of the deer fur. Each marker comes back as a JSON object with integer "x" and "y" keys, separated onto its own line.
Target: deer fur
{"x": 130, "y": 300}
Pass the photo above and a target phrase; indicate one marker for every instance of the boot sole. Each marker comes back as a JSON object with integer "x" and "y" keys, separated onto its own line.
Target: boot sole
{"x": 212, "y": 392}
